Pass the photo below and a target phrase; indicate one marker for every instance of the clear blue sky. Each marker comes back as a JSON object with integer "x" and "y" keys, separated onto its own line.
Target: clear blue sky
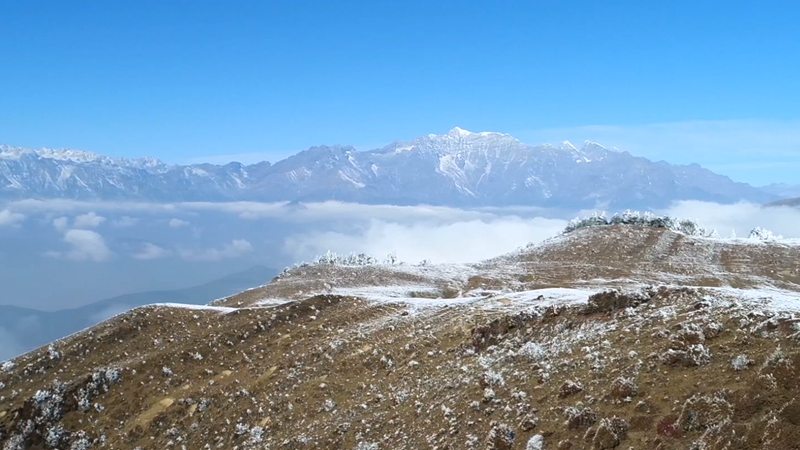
{"x": 185, "y": 80}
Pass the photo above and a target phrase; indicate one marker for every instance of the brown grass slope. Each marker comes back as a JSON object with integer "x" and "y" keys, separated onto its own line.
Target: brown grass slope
{"x": 669, "y": 368}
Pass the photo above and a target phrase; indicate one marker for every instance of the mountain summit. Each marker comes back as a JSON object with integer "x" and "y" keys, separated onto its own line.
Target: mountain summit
{"x": 459, "y": 168}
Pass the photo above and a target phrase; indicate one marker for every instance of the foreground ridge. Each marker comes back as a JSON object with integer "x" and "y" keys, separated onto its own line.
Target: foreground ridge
{"x": 606, "y": 337}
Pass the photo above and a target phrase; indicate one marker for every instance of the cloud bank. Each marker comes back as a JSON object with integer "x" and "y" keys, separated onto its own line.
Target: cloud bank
{"x": 414, "y": 233}
{"x": 739, "y": 218}
{"x": 459, "y": 241}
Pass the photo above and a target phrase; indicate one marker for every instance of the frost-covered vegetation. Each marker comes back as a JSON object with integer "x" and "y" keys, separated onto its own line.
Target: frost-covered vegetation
{"x": 648, "y": 219}
{"x": 684, "y": 226}
{"x": 763, "y": 234}
{"x": 353, "y": 259}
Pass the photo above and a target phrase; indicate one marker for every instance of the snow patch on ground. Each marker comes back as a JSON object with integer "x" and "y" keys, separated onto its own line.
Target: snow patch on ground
{"x": 272, "y": 302}
{"x": 401, "y": 294}
{"x": 763, "y": 298}
{"x": 219, "y": 309}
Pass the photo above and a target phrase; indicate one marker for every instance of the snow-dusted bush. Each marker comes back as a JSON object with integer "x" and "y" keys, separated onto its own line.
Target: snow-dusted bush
{"x": 532, "y": 351}
{"x": 81, "y": 441}
{"x": 54, "y": 436}
{"x": 353, "y": 259}
{"x": 7, "y": 366}
{"x": 740, "y": 362}
{"x": 762, "y": 234}
{"x": 688, "y": 227}
{"x": 256, "y": 435}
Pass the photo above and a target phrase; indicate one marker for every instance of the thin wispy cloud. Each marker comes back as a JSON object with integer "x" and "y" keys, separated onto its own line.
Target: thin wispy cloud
{"x": 9, "y": 347}
{"x": 152, "y": 251}
{"x": 125, "y": 222}
{"x": 234, "y": 249}
{"x": 61, "y": 224}
{"x": 86, "y": 245}
{"x": 10, "y": 218}
{"x": 177, "y": 223}
{"x": 88, "y": 220}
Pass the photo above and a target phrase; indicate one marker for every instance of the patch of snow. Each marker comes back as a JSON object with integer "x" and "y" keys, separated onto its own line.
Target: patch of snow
{"x": 535, "y": 443}
{"x": 763, "y": 298}
{"x": 219, "y": 309}
{"x": 344, "y": 176}
{"x": 272, "y": 302}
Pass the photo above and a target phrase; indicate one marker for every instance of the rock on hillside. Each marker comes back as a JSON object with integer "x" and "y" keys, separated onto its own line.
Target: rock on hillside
{"x": 606, "y": 337}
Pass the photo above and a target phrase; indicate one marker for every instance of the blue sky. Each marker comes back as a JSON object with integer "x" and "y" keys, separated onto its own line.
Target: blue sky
{"x": 710, "y": 82}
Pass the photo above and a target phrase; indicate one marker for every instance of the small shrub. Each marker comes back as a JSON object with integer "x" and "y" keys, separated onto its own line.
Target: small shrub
{"x": 741, "y": 362}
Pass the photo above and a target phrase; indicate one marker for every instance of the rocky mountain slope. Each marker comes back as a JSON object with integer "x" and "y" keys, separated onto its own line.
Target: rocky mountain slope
{"x": 459, "y": 168}
{"x": 606, "y": 337}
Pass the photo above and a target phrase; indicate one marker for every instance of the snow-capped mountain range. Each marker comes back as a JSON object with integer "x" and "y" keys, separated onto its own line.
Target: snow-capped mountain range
{"x": 459, "y": 168}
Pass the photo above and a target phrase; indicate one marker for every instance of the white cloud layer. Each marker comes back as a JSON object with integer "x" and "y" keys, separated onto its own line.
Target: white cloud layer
{"x": 310, "y": 212}
{"x": 234, "y": 249}
{"x": 740, "y": 218}
{"x": 414, "y": 233}
{"x": 456, "y": 242}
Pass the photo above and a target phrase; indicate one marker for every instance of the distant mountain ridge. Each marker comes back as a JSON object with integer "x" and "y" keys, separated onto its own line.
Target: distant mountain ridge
{"x": 459, "y": 168}
{"x": 32, "y": 328}
{"x": 786, "y": 202}
{"x": 782, "y": 190}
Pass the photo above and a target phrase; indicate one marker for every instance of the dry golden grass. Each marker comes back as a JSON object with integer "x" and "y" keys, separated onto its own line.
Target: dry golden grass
{"x": 668, "y": 368}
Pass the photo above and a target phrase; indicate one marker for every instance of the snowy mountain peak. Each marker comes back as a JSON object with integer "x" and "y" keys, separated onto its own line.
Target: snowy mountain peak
{"x": 567, "y": 145}
{"x": 593, "y": 144}
{"x": 66, "y": 155}
{"x": 460, "y": 132}
{"x": 8, "y": 152}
